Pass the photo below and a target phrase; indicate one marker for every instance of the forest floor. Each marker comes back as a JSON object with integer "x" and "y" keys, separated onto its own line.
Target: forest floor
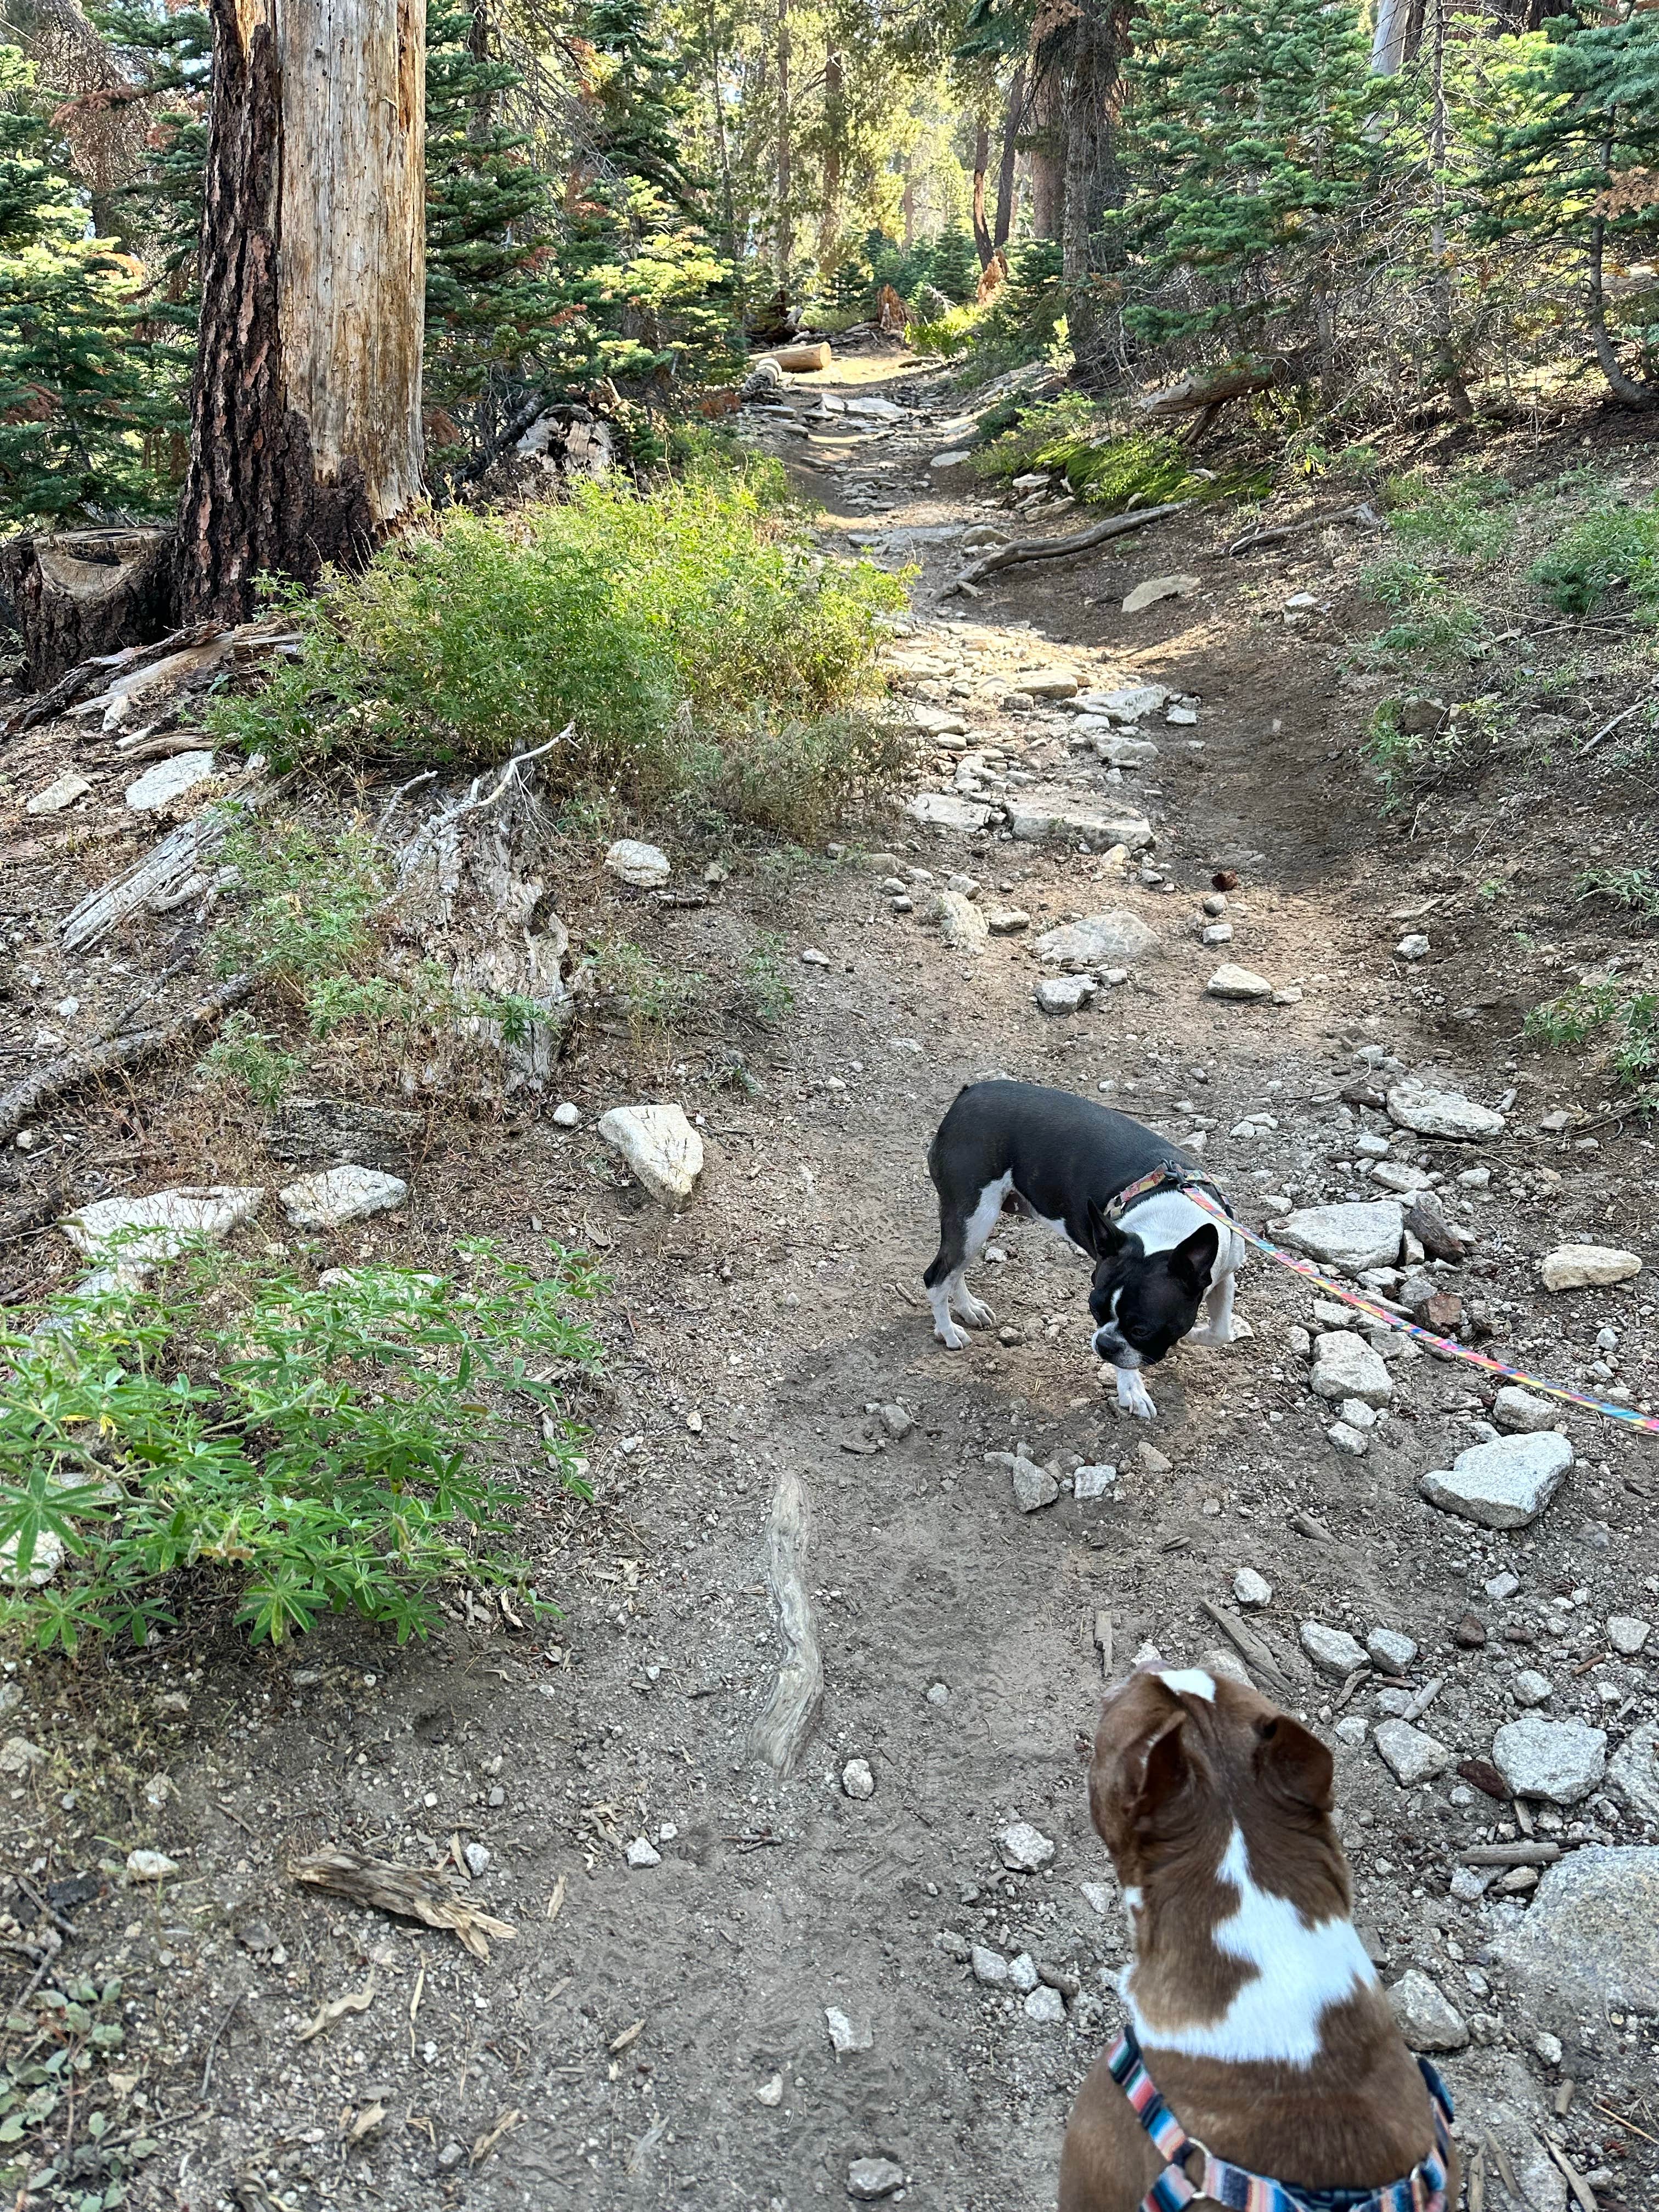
{"x": 666, "y": 2033}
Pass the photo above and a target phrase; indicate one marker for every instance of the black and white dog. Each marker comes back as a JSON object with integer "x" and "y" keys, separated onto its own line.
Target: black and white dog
{"x": 1064, "y": 1160}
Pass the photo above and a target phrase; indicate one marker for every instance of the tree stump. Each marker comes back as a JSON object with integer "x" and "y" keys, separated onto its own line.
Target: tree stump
{"x": 79, "y": 592}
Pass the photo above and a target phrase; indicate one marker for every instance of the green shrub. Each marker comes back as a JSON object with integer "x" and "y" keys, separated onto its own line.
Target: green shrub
{"x": 1636, "y": 889}
{"x": 651, "y": 996}
{"x": 1628, "y": 1019}
{"x": 1103, "y": 467}
{"x": 306, "y": 902}
{"x": 1465, "y": 517}
{"x": 1607, "y": 547}
{"x": 656, "y": 628}
{"x": 244, "y": 1054}
{"x": 769, "y": 996}
{"x": 298, "y": 1451}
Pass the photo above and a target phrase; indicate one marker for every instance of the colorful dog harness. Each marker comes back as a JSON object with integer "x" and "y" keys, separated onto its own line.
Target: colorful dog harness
{"x": 1423, "y": 2188}
{"x": 1173, "y": 1175}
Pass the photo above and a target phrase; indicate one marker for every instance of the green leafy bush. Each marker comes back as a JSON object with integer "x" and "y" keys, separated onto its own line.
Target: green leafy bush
{"x": 1626, "y": 1019}
{"x": 690, "y": 640}
{"x": 297, "y": 1450}
{"x": 1636, "y": 889}
{"x": 1607, "y": 547}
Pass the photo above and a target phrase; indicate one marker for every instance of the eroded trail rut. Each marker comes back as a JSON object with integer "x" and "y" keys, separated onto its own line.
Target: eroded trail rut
{"x": 794, "y": 1977}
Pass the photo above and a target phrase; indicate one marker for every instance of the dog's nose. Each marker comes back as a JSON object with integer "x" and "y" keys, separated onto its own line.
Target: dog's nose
{"x": 1106, "y": 1344}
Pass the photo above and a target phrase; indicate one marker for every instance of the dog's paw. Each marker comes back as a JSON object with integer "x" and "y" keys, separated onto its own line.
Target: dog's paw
{"x": 1132, "y": 1397}
{"x": 975, "y": 1311}
{"x": 950, "y": 1336}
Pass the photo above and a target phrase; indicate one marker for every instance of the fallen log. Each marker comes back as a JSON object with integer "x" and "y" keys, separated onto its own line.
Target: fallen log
{"x": 1191, "y": 395}
{"x": 74, "y": 1070}
{"x": 1061, "y": 548}
{"x": 98, "y": 673}
{"x": 1256, "y": 1654}
{"x": 159, "y": 871}
{"x": 1254, "y": 540}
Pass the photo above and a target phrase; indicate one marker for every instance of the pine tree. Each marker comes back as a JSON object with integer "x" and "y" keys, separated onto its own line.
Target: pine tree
{"x": 1248, "y": 127}
{"x": 81, "y": 411}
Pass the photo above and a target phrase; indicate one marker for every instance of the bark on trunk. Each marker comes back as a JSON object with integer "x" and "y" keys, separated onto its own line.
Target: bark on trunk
{"x": 1011, "y": 131}
{"x": 786, "y": 233}
{"x": 835, "y": 127}
{"x": 1622, "y": 386}
{"x": 981, "y": 168}
{"x": 1389, "y": 39}
{"x": 305, "y": 410}
{"x": 81, "y": 593}
{"x": 1093, "y": 181}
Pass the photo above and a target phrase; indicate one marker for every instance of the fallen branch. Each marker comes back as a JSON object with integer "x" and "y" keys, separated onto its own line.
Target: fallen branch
{"x": 76, "y": 1069}
{"x": 159, "y": 871}
{"x": 1607, "y": 728}
{"x": 1193, "y": 394}
{"x": 1255, "y": 1653}
{"x": 1254, "y": 540}
{"x": 409, "y": 1891}
{"x": 41, "y": 1205}
{"x": 473, "y": 802}
{"x": 1061, "y": 548}
{"x": 96, "y": 675}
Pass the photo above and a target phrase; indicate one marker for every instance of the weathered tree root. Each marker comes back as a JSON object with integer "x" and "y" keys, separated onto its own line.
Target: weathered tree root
{"x": 412, "y": 1892}
{"x": 1254, "y": 540}
{"x": 76, "y": 1069}
{"x": 1061, "y": 548}
{"x": 781, "y": 1731}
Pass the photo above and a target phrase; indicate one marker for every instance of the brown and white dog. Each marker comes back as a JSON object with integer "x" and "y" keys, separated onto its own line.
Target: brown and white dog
{"x": 1259, "y": 2014}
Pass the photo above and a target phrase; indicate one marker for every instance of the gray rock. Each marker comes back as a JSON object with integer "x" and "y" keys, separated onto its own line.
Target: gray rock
{"x": 1113, "y": 939}
{"x": 1216, "y": 933}
{"x": 856, "y": 1779}
{"x": 1519, "y": 1413}
{"x": 1560, "y": 1760}
{"x": 1065, "y": 994}
{"x": 1411, "y": 1753}
{"x": 1627, "y": 1634}
{"x": 1531, "y": 1688}
{"x": 1352, "y": 1236}
{"x": 1413, "y": 947}
{"x": 479, "y": 1858}
{"x": 1035, "y": 821}
{"x": 1023, "y": 1849}
{"x": 1357, "y": 1413}
{"x": 1590, "y": 1941}
{"x": 1501, "y": 1586}
{"x": 1225, "y": 1663}
{"x": 58, "y": 794}
{"x": 1034, "y": 1486}
{"x": 1089, "y": 1483}
{"x": 1347, "y": 1438}
{"x": 661, "y": 1149}
{"x": 168, "y": 779}
{"x": 18, "y": 1756}
{"x": 961, "y": 923}
{"x": 336, "y": 1196}
{"x": 1130, "y": 703}
{"x": 1431, "y": 1113}
{"x": 1046, "y": 682}
{"x": 1115, "y": 749}
{"x": 1505, "y": 1484}
{"x": 848, "y": 2031}
{"x": 1045, "y": 2006}
{"x": 1251, "y": 1590}
{"x": 1333, "y": 1650}
{"x": 869, "y": 2180}
{"x": 1154, "y": 588}
{"x": 1229, "y": 980}
{"x": 641, "y": 1852}
{"x": 898, "y": 1422}
{"x": 954, "y": 467}
{"x": 1390, "y": 1650}
{"x": 1007, "y": 921}
{"x": 1587, "y": 1267}
{"x": 943, "y": 810}
{"x": 1022, "y": 1972}
{"x": 647, "y": 866}
{"x": 1426, "y": 2020}
{"x": 988, "y": 1967}
{"x": 1345, "y": 1366}
{"x": 150, "y": 1866}
{"x": 149, "y": 1231}
{"x": 1634, "y": 1771}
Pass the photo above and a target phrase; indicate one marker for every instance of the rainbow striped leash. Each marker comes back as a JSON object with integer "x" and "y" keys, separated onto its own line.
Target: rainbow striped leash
{"x": 1204, "y": 1196}
{"x": 1423, "y": 2189}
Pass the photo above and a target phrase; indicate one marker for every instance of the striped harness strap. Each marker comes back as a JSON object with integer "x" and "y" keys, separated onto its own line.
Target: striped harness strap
{"x": 1172, "y": 1175}
{"x": 1423, "y": 2188}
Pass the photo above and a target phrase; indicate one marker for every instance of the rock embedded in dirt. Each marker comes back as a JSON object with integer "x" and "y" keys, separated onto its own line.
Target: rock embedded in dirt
{"x": 870, "y": 2179}
{"x": 336, "y": 1195}
{"x": 1007, "y": 921}
{"x": 963, "y": 926}
{"x": 1411, "y": 1753}
{"x": 648, "y": 867}
{"x": 566, "y": 1115}
{"x": 1633, "y": 1772}
{"x": 1129, "y": 703}
{"x": 1505, "y": 1484}
{"x": 1022, "y": 1972}
{"x": 150, "y": 1866}
{"x": 1217, "y": 932}
{"x": 1627, "y": 1633}
{"x": 1413, "y": 947}
{"x": 168, "y": 779}
{"x": 1559, "y": 1760}
{"x": 1519, "y": 1413}
{"x": 1352, "y": 1236}
{"x": 1046, "y": 682}
{"x": 60, "y": 794}
{"x": 944, "y": 810}
{"x": 955, "y": 467}
{"x": 1345, "y": 1366}
{"x": 1045, "y": 2006}
{"x": 1034, "y": 821}
{"x": 1590, "y": 1941}
{"x": 1154, "y": 588}
{"x": 1112, "y": 749}
{"x": 1251, "y": 1590}
{"x": 18, "y": 1756}
{"x": 1587, "y": 1267}
{"x": 897, "y": 1420}
{"x": 988, "y": 1967}
{"x": 938, "y": 721}
{"x": 1229, "y": 980}
{"x": 642, "y": 1852}
{"x": 1065, "y": 994}
{"x": 1426, "y": 2020}
{"x": 1089, "y": 1483}
{"x": 848, "y": 2031}
{"x": 1347, "y": 1438}
{"x": 1428, "y": 1112}
{"x": 1388, "y": 1648}
{"x": 770, "y": 2092}
{"x": 1034, "y": 1486}
{"x": 661, "y": 1149}
{"x": 171, "y": 1220}
{"x": 856, "y": 1779}
{"x": 1333, "y": 1650}
{"x": 1531, "y": 1688}
{"x": 1023, "y": 1849}
{"x": 1113, "y": 938}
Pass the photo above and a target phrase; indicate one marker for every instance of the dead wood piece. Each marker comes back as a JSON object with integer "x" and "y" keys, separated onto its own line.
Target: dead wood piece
{"x": 1254, "y": 540}
{"x": 96, "y": 675}
{"x": 1191, "y": 395}
{"x": 303, "y": 1130}
{"x": 1061, "y": 548}
{"x": 76, "y": 593}
{"x": 412, "y": 1893}
{"x": 190, "y": 665}
{"x": 1256, "y": 1654}
{"x": 40, "y": 1205}
{"x": 163, "y": 870}
{"x": 76, "y": 1069}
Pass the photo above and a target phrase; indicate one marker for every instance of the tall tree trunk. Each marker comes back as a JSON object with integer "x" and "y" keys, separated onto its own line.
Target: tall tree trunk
{"x": 1046, "y": 158}
{"x": 728, "y": 217}
{"x": 1093, "y": 181}
{"x": 306, "y": 407}
{"x": 1389, "y": 39}
{"x": 1622, "y": 386}
{"x": 982, "y": 169}
{"x": 1440, "y": 287}
{"x": 785, "y": 229}
{"x": 907, "y": 206}
{"x": 1010, "y": 129}
{"x": 834, "y": 129}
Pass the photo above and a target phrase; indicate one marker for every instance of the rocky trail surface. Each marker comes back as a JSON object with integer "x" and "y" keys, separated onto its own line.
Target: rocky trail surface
{"x": 1139, "y": 862}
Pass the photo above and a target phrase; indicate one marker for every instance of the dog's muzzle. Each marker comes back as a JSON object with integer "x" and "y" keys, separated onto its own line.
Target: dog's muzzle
{"x": 1110, "y": 1347}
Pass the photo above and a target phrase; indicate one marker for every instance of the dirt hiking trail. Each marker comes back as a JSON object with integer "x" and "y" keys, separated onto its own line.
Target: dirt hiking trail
{"x": 726, "y": 1985}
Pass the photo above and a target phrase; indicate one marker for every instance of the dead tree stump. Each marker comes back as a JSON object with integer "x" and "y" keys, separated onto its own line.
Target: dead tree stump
{"x": 79, "y": 592}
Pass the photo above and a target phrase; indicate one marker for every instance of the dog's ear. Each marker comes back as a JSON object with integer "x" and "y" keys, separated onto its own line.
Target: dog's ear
{"x": 1104, "y": 1233}
{"x": 1190, "y": 1262}
{"x": 1133, "y": 1781}
{"x": 1292, "y": 1764}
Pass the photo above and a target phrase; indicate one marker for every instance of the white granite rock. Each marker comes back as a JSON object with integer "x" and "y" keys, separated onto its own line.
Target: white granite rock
{"x": 1590, "y": 1941}
{"x": 1519, "y": 1413}
{"x": 1034, "y": 1486}
{"x": 1023, "y": 1849}
{"x": 1089, "y": 1483}
{"x": 660, "y": 1148}
{"x": 1345, "y": 1366}
{"x": 1352, "y": 1236}
{"x": 168, "y": 779}
{"x": 1046, "y": 682}
{"x": 646, "y": 866}
{"x": 1633, "y": 1772}
{"x": 1251, "y": 1590}
{"x": 150, "y": 1866}
{"x": 170, "y": 1218}
{"x": 1627, "y": 1633}
{"x": 1447, "y": 1114}
{"x": 963, "y": 924}
{"x": 1411, "y": 1754}
{"x": 1333, "y": 1650}
{"x": 1559, "y": 1760}
{"x": 1065, "y": 994}
{"x": 943, "y": 810}
{"x": 989, "y": 1967}
{"x": 870, "y": 2179}
{"x": 60, "y": 793}
{"x": 1503, "y": 1485}
{"x": 856, "y": 1779}
{"x": 1426, "y": 2020}
{"x": 1113, "y": 939}
{"x": 1154, "y": 588}
{"x": 335, "y": 1195}
{"x": 1229, "y": 980}
{"x": 1587, "y": 1267}
{"x": 1390, "y": 1649}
